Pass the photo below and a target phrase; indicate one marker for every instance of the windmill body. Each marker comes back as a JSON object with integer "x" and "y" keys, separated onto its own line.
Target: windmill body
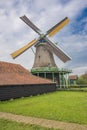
{"x": 44, "y": 64}
{"x": 43, "y": 56}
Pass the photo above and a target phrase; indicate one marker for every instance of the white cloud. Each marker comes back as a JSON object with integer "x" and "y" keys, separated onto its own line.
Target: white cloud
{"x": 79, "y": 70}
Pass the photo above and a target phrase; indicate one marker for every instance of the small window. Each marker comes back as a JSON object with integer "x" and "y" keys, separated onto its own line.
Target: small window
{"x": 39, "y": 57}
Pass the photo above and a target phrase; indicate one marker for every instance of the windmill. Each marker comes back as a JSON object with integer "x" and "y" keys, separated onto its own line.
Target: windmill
{"x": 44, "y": 64}
{"x": 44, "y": 47}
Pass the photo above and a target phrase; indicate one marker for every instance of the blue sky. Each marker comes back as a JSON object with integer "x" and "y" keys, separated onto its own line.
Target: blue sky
{"x": 44, "y": 13}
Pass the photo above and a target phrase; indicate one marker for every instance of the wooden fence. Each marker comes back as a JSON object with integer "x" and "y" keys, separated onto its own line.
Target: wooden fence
{"x": 16, "y": 91}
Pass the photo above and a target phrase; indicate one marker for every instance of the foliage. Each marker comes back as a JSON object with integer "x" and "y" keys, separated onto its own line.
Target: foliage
{"x": 64, "y": 106}
{"x": 82, "y": 79}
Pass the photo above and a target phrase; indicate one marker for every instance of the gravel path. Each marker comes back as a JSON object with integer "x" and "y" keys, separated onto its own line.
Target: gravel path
{"x": 43, "y": 122}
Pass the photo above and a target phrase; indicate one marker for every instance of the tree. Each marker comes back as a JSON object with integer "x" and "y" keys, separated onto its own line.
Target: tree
{"x": 82, "y": 80}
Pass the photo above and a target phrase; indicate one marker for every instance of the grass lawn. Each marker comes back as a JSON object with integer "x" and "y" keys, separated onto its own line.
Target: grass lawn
{"x": 80, "y": 88}
{"x": 10, "y": 125}
{"x": 63, "y": 105}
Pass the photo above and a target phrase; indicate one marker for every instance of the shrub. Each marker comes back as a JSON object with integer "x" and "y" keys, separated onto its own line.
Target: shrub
{"x": 82, "y": 80}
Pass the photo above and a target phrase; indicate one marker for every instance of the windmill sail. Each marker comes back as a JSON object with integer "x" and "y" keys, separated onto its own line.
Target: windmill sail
{"x": 57, "y": 51}
{"x": 23, "y": 49}
{"x": 57, "y": 27}
{"x": 29, "y": 23}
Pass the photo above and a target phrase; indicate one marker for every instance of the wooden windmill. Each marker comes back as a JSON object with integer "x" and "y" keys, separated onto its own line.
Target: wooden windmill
{"x": 44, "y": 47}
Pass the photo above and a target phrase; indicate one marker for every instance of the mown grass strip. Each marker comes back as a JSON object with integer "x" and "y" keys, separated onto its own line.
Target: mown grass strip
{"x": 12, "y": 125}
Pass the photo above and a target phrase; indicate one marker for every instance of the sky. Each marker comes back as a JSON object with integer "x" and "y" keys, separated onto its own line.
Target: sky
{"x": 14, "y": 33}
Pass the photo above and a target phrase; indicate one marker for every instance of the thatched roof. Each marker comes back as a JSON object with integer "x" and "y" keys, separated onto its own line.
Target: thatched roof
{"x": 11, "y": 74}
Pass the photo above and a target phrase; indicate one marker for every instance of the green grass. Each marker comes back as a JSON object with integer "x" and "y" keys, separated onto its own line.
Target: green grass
{"x": 10, "y": 125}
{"x": 78, "y": 88}
{"x": 74, "y": 89}
{"x": 63, "y": 105}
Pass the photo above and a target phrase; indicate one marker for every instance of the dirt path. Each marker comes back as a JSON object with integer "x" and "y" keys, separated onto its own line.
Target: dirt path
{"x": 43, "y": 122}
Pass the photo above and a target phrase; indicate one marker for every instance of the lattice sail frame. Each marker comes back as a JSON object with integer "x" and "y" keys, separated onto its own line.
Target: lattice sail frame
{"x": 55, "y": 49}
